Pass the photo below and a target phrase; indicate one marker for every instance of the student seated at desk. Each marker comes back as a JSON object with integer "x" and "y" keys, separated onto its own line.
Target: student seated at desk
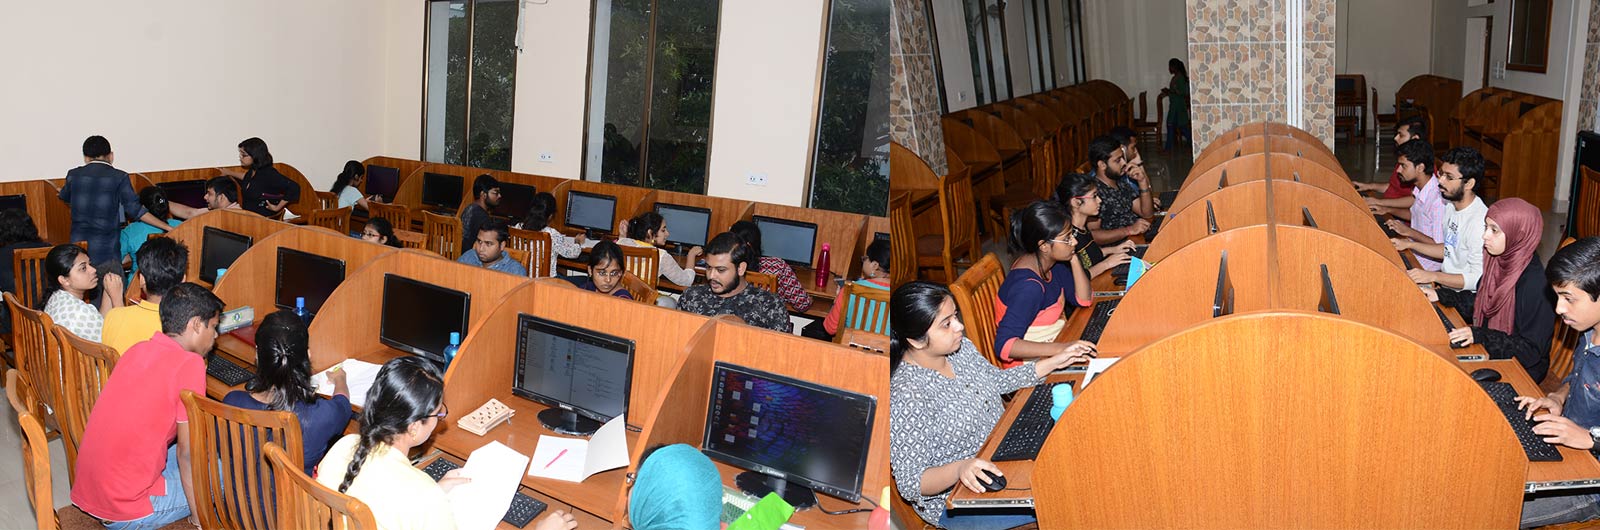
{"x": 1426, "y": 208}
{"x": 1045, "y": 278}
{"x": 348, "y": 186}
{"x": 678, "y": 488}
{"x": 380, "y": 231}
{"x": 726, "y": 293}
{"x": 130, "y": 474}
{"x": 489, "y": 250}
{"x": 540, "y": 211}
{"x": 874, "y": 275}
{"x": 485, "y": 197}
{"x": 1513, "y": 314}
{"x": 17, "y": 231}
{"x": 1124, "y": 192}
{"x": 71, "y": 279}
{"x": 222, "y": 193}
{"x": 1136, "y": 170}
{"x": 1460, "y": 248}
{"x": 944, "y": 400}
{"x": 605, "y": 271}
{"x": 649, "y": 230}
{"x": 134, "y": 235}
{"x": 1572, "y": 412}
{"x": 166, "y": 261}
{"x": 789, "y": 288}
{"x": 404, "y": 406}
{"x": 1080, "y": 194}
{"x": 283, "y": 382}
{"x": 1412, "y": 128}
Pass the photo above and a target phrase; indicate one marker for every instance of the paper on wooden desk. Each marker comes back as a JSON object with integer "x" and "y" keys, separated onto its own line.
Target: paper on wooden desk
{"x": 576, "y": 459}
{"x": 495, "y": 470}
{"x": 1096, "y": 366}
{"x": 359, "y": 376}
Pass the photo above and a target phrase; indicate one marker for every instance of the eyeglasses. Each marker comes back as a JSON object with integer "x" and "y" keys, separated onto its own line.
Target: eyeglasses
{"x": 609, "y": 274}
{"x": 1066, "y": 242}
{"x": 443, "y": 411}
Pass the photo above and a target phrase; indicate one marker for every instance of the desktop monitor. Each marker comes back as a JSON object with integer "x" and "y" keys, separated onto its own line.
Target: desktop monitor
{"x": 880, "y": 236}
{"x": 1329, "y": 302}
{"x": 1211, "y": 219}
{"x": 442, "y": 191}
{"x": 306, "y": 275}
{"x": 592, "y": 211}
{"x": 791, "y": 241}
{"x": 794, "y": 437}
{"x": 515, "y": 200}
{"x": 583, "y": 375}
{"x": 383, "y": 180}
{"x": 218, "y": 249}
{"x": 191, "y": 193}
{"x": 1305, "y": 214}
{"x": 418, "y": 317}
{"x": 13, "y": 202}
{"x": 1223, "y": 181}
{"x": 1222, "y": 304}
{"x": 687, "y": 226}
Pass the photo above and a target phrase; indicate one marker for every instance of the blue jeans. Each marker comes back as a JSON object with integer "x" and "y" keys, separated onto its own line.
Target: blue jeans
{"x": 1557, "y": 509}
{"x": 983, "y": 522}
{"x": 165, "y": 508}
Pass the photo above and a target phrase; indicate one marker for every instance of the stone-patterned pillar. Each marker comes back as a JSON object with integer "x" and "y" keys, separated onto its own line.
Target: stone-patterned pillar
{"x": 914, "y": 95}
{"x": 1589, "y": 99}
{"x": 1240, "y": 65}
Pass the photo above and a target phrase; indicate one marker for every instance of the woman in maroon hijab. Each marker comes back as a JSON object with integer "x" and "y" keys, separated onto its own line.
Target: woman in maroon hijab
{"x": 1514, "y": 311}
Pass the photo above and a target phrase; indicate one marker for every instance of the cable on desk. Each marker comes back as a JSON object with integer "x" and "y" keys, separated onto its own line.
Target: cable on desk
{"x": 849, "y": 511}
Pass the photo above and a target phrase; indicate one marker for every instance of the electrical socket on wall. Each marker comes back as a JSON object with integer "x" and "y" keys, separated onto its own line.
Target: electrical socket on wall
{"x": 547, "y": 158}
{"x": 756, "y": 179}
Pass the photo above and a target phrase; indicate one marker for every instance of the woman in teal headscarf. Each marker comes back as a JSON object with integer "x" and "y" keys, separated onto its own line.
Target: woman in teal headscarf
{"x": 678, "y": 488}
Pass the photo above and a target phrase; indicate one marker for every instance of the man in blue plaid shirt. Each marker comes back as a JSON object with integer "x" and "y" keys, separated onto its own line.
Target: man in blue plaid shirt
{"x": 100, "y": 196}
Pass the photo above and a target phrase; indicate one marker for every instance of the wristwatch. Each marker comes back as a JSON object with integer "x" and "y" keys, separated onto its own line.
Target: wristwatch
{"x": 1594, "y": 433}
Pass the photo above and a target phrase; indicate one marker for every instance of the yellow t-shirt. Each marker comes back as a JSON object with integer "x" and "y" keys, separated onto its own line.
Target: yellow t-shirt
{"x": 129, "y": 325}
{"x": 401, "y": 496}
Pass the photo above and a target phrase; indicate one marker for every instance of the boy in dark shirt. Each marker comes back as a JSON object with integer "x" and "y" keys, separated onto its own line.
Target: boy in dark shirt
{"x": 485, "y": 197}
{"x": 726, "y": 293}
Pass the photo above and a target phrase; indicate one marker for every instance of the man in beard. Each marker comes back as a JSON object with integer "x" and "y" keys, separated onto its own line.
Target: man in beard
{"x": 1123, "y": 193}
{"x": 726, "y": 293}
{"x": 485, "y": 197}
{"x": 1460, "y": 250}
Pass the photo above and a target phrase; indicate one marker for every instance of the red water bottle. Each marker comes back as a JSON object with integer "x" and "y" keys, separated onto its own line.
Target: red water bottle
{"x": 822, "y": 267}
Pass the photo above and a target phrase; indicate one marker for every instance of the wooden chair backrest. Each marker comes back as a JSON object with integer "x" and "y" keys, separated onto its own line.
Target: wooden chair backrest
{"x": 762, "y": 280}
{"x": 975, "y": 293}
{"x": 86, "y": 366}
{"x": 866, "y": 308}
{"x": 537, "y": 244}
{"x": 35, "y": 448}
{"x": 398, "y": 215}
{"x": 1586, "y": 204}
{"x": 902, "y": 240}
{"x": 326, "y": 200}
{"x": 959, "y": 220}
{"x": 642, "y": 292}
{"x": 411, "y": 239}
{"x": 642, "y": 262}
{"x": 305, "y": 503}
{"x": 1562, "y": 343}
{"x": 520, "y": 256}
{"x": 1046, "y": 170}
{"x": 337, "y": 219}
{"x": 38, "y": 354}
{"x": 27, "y": 266}
{"x": 861, "y": 340}
{"x": 443, "y": 234}
{"x": 231, "y": 480}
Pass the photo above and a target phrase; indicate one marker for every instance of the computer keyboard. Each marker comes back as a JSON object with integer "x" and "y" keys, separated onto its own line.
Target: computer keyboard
{"x": 1444, "y": 319}
{"x": 1155, "y": 228}
{"x": 1385, "y": 226}
{"x": 1097, "y": 321}
{"x": 226, "y": 371}
{"x": 1026, "y": 436}
{"x": 523, "y": 508}
{"x": 1537, "y": 449}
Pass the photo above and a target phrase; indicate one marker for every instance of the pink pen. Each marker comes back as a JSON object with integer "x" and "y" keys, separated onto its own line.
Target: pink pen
{"x": 558, "y": 457}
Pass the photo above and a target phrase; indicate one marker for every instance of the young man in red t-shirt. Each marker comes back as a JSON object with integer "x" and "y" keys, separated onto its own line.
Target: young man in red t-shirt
{"x": 129, "y": 474}
{"x": 1397, "y": 188}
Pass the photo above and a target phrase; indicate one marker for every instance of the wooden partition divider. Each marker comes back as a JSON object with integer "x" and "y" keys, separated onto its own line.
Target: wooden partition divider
{"x": 1150, "y": 310}
{"x": 1250, "y": 145}
{"x": 1266, "y": 129}
{"x": 724, "y": 211}
{"x": 50, "y": 214}
{"x": 1369, "y": 288}
{"x": 1246, "y": 204}
{"x": 681, "y": 411}
{"x": 192, "y": 232}
{"x": 308, "y": 194}
{"x": 180, "y": 175}
{"x": 841, "y": 231}
{"x": 251, "y": 281}
{"x": 410, "y": 192}
{"x": 1282, "y": 429}
{"x": 1283, "y": 166}
{"x": 630, "y": 199}
{"x": 405, "y": 167}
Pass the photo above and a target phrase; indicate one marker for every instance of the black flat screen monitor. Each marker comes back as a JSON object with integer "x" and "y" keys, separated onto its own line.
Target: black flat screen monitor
{"x": 13, "y": 202}
{"x": 687, "y": 226}
{"x": 383, "y": 180}
{"x": 191, "y": 193}
{"x": 791, "y": 241}
{"x": 1305, "y": 214}
{"x": 1222, "y": 304}
{"x": 306, "y": 275}
{"x": 583, "y": 375}
{"x": 1329, "y": 302}
{"x": 441, "y": 191}
{"x": 218, "y": 249}
{"x": 793, "y": 436}
{"x": 880, "y": 236}
{"x": 592, "y": 211}
{"x": 418, "y": 317}
{"x": 515, "y": 200}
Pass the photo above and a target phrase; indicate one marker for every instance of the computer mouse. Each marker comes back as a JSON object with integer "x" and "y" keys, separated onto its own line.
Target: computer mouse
{"x": 995, "y": 482}
{"x": 1485, "y": 375}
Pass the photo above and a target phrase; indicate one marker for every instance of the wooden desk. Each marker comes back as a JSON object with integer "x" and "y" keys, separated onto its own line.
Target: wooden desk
{"x": 822, "y": 298}
{"x": 1577, "y": 468}
{"x": 585, "y": 519}
{"x": 1018, "y": 473}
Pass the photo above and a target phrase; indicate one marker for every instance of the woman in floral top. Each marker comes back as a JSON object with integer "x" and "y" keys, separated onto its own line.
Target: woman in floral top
{"x": 73, "y": 278}
{"x": 944, "y": 400}
{"x": 540, "y": 211}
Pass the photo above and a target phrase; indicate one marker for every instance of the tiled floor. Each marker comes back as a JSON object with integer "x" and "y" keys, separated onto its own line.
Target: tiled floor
{"x": 15, "y": 509}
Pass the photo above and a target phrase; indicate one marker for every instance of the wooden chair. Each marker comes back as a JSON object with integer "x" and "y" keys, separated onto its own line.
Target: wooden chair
{"x": 866, "y": 309}
{"x": 519, "y": 256}
{"x": 537, "y": 244}
{"x": 326, "y": 200}
{"x": 305, "y": 503}
{"x": 762, "y": 280}
{"x": 1144, "y": 125}
{"x": 398, "y": 215}
{"x": 1562, "y": 344}
{"x": 442, "y": 234}
{"x": 644, "y": 263}
{"x": 36, "y": 461}
{"x": 642, "y": 292}
{"x": 231, "y": 479}
{"x": 411, "y": 239}
{"x": 1586, "y": 204}
{"x": 39, "y": 358}
{"x": 902, "y": 241}
{"x": 975, "y": 293}
{"x": 86, "y": 366}
{"x": 27, "y": 265}
{"x": 959, "y": 242}
{"x": 861, "y": 340}
{"x": 337, "y": 220}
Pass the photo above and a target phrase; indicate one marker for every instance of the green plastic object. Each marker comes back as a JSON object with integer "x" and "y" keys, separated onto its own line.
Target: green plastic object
{"x": 768, "y": 514}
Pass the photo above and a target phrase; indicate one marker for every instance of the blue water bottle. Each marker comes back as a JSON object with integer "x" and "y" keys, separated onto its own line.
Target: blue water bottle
{"x": 450, "y": 351}
{"x": 300, "y": 310}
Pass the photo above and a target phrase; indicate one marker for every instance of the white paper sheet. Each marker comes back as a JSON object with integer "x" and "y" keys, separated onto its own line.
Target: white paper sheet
{"x": 495, "y": 470}
{"x": 359, "y": 376}
{"x": 1096, "y": 366}
{"x": 576, "y": 459}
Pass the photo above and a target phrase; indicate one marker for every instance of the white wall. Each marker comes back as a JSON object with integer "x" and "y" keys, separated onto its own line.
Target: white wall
{"x": 954, "y": 57}
{"x": 1128, "y": 42}
{"x": 178, "y": 83}
{"x": 1386, "y": 41}
{"x": 1449, "y": 31}
{"x": 552, "y": 89}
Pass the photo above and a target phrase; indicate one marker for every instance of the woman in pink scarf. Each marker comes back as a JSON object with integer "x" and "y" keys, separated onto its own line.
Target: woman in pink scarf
{"x": 1513, "y": 314}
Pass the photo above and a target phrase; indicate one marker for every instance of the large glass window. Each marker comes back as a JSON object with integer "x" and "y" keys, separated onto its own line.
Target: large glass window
{"x": 650, "y": 93}
{"x": 471, "y": 83}
{"x": 851, "y": 170}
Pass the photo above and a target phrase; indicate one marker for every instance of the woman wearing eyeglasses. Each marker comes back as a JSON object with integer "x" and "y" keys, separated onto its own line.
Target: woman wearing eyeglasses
{"x": 1080, "y": 194}
{"x": 1044, "y": 279}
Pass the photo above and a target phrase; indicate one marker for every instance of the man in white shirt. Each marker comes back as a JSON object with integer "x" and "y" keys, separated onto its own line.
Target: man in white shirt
{"x": 1460, "y": 251}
